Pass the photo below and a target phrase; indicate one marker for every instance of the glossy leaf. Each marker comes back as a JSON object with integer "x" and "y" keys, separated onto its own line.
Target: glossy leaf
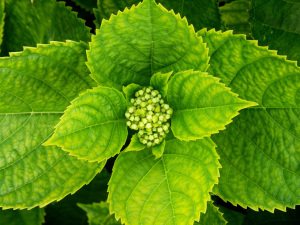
{"x": 25, "y": 217}
{"x": 158, "y": 150}
{"x": 135, "y": 144}
{"x": 173, "y": 189}
{"x": 159, "y": 81}
{"x": 275, "y": 23}
{"x": 36, "y": 87}
{"x": 28, "y": 24}
{"x": 98, "y": 214}
{"x": 235, "y": 14}
{"x": 94, "y": 126}
{"x": 202, "y": 105}
{"x": 191, "y": 9}
{"x": 211, "y": 216}
{"x": 130, "y": 90}
{"x": 260, "y": 150}
{"x": 137, "y": 43}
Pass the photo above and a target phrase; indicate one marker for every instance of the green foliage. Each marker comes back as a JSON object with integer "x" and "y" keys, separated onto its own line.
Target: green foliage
{"x": 2, "y": 16}
{"x": 93, "y": 127}
{"x": 28, "y": 24}
{"x": 163, "y": 191}
{"x": 211, "y": 216}
{"x": 202, "y": 106}
{"x": 32, "y": 100}
{"x": 87, "y": 4}
{"x": 159, "y": 81}
{"x": 191, "y": 9}
{"x": 98, "y": 214}
{"x": 259, "y": 149}
{"x": 122, "y": 53}
{"x": 275, "y": 23}
{"x": 25, "y": 217}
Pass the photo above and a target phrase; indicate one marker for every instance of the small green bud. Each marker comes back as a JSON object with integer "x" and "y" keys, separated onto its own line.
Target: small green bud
{"x": 134, "y": 127}
{"x": 131, "y": 109}
{"x": 127, "y": 115}
{"x": 131, "y": 118}
{"x": 148, "y": 125}
{"x": 156, "y": 141}
{"x": 128, "y": 123}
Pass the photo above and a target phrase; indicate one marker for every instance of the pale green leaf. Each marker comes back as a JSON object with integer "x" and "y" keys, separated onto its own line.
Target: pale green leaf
{"x": 135, "y": 144}
{"x": 28, "y": 24}
{"x": 202, "y": 105}
{"x": 173, "y": 189}
{"x": 200, "y": 13}
{"x": 159, "y": 81}
{"x": 86, "y": 4}
{"x": 260, "y": 150}
{"x": 94, "y": 126}
{"x": 98, "y": 214}
{"x": 158, "y": 150}
{"x": 212, "y": 216}
{"x": 22, "y": 217}
{"x": 66, "y": 211}
{"x": 130, "y": 90}
{"x": 235, "y": 15}
{"x": 137, "y": 43}
{"x": 276, "y": 23}
{"x": 36, "y": 87}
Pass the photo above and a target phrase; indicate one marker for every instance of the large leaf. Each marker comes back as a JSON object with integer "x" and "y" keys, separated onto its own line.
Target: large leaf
{"x": 22, "y": 217}
{"x": 87, "y": 4}
{"x": 212, "y": 216}
{"x": 260, "y": 150}
{"x": 36, "y": 87}
{"x": 173, "y": 189}
{"x": 98, "y": 214}
{"x": 66, "y": 211}
{"x": 276, "y": 23}
{"x": 135, "y": 44}
{"x": 28, "y": 24}
{"x": 94, "y": 126}
{"x": 235, "y": 14}
{"x": 202, "y": 105}
{"x": 200, "y": 13}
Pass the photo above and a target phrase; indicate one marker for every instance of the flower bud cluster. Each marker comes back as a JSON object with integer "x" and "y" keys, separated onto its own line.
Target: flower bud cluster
{"x": 149, "y": 115}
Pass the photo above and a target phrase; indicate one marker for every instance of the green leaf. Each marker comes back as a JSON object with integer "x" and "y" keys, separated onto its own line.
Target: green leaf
{"x": 211, "y": 216}
{"x": 2, "y": 16}
{"x": 235, "y": 14}
{"x": 202, "y": 105}
{"x": 259, "y": 150}
{"x": 231, "y": 216}
{"x": 191, "y": 9}
{"x": 66, "y": 211}
{"x": 98, "y": 214}
{"x": 25, "y": 217}
{"x": 130, "y": 90}
{"x": 135, "y": 144}
{"x": 86, "y": 4}
{"x": 94, "y": 126}
{"x": 36, "y": 87}
{"x": 27, "y": 24}
{"x": 275, "y": 23}
{"x": 159, "y": 81}
{"x": 137, "y": 43}
{"x": 158, "y": 150}
{"x": 171, "y": 190}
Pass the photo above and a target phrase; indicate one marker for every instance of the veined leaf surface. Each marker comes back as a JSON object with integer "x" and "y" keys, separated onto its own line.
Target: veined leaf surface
{"x": 22, "y": 217}
{"x": 137, "y": 43}
{"x": 212, "y": 216}
{"x": 94, "y": 126}
{"x": 202, "y": 105}
{"x": 260, "y": 150}
{"x": 36, "y": 87}
{"x": 173, "y": 189}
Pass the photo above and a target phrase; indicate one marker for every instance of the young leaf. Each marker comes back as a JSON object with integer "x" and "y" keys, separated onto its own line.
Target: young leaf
{"x": 276, "y": 23}
{"x": 159, "y": 81}
{"x": 27, "y": 24}
{"x": 260, "y": 149}
{"x": 25, "y": 217}
{"x": 158, "y": 150}
{"x": 135, "y": 144}
{"x": 211, "y": 216}
{"x": 130, "y": 90}
{"x": 202, "y": 105}
{"x": 36, "y": 87}
{"x": 86, "y": 4}
{"x": 173, "y": 189}
{"x": 137, "y": 43}
{"x": 98, "y": 214}
{"x": 191, "y": 9}
{"x": 94, "y": 126}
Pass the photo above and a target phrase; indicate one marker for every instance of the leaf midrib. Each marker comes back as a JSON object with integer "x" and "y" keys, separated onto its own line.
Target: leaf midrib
{"x": 208, "y": 107}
